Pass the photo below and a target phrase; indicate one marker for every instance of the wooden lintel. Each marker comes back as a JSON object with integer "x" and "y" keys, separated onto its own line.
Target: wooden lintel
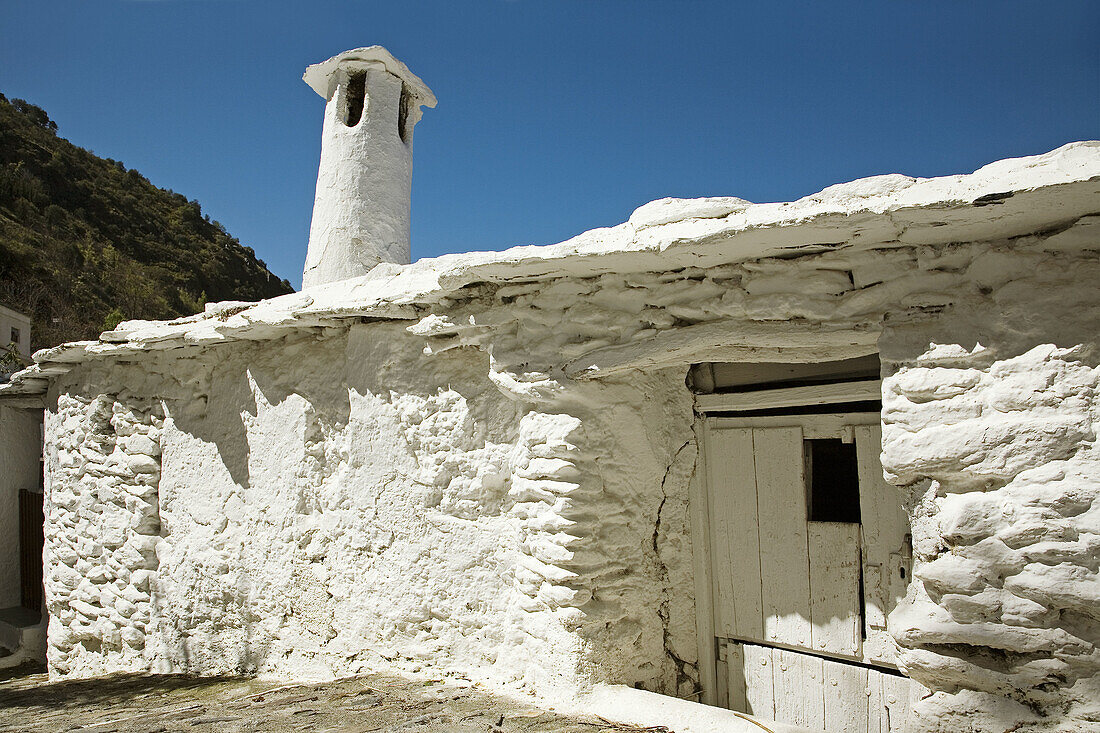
{"x": 766, "y": 399}
{"x": 757, "y": 341}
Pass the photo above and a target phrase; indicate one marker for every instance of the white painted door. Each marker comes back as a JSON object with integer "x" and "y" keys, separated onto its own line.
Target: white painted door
{"x": 800, "y": 602}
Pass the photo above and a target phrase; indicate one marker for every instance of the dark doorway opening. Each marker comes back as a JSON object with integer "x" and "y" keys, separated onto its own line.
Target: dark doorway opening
{"x": 30, "y": 549}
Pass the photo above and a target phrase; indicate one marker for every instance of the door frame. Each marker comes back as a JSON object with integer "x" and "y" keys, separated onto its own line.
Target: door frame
{"x": 727, "y": 406}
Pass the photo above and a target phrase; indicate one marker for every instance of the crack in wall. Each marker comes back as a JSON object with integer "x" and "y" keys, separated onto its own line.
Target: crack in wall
{"x": 683, "y": 677}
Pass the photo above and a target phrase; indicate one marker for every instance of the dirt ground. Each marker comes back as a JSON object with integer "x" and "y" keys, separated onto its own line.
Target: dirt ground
{"x": 368, "y": 704}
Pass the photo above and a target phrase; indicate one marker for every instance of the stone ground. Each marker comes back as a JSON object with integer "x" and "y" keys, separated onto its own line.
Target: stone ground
{"x": 368, "y": 704}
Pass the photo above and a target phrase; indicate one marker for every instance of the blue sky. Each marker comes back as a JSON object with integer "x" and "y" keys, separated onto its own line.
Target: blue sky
{"x": 556, "y": 117}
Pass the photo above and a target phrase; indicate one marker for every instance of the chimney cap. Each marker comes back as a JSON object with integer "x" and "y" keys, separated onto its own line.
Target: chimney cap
{"x": 319, "y": 76}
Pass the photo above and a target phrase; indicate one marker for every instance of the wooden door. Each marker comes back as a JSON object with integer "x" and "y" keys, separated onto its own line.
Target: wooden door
{"x": 30, "y": 549}
{"x": 799, "y": 602}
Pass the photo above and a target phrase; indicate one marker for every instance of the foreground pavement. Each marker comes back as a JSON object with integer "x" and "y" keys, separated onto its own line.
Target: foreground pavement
{"x": 367, "y": 704}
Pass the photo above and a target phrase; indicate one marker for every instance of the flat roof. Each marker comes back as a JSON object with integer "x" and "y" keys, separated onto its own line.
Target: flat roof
{"x": 1058, "y": 192}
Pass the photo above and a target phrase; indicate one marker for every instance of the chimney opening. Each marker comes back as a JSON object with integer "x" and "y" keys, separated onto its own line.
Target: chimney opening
{"x": 357, "y": 94}
{"x": 403, "y": 114}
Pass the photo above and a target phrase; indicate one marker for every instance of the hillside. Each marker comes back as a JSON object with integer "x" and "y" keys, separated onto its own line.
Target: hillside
{"x": 85, "y": 243}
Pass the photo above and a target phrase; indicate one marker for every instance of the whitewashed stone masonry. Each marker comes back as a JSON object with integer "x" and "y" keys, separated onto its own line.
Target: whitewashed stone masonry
{"x": 102, "y": 514}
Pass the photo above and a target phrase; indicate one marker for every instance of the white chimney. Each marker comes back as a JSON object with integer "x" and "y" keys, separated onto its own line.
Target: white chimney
{"x": 364, "y": 185}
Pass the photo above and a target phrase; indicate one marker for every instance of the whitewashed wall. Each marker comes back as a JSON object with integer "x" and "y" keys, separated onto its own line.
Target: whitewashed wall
{"x": 1003, "y": 627}
{"x": 500, "y": 488}
{"x": 990, "y": 417}
{"x": 335, "y": 502}
{"x": 102, "y": 525}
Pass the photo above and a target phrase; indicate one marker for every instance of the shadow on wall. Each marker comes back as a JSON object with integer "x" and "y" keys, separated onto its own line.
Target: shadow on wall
{"x": 206, "y": 607}
{"x": 270, "y": 372}
{"x": 283, "y": 417}
{"x": 323, "y": 371}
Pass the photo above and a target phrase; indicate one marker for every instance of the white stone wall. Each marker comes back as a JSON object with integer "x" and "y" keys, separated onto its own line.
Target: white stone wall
{"x": 337, "y": 502}
{"x": 990, "y": 417}
{"x": 20, "y": 450}
{"x": 329, "y": 504}
{"x": 467, "y": 492}
{"x": 631, "y": 557}
{"x": 102, "y": 520}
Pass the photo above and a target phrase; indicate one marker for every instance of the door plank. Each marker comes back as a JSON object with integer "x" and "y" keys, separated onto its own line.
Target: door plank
{"x": 885, "y": 526}
{"x": 787, "y": 686}
{"x": 718, "y": 497}
{"x": 738, "y": 688}
{"x": 890, "y": 700}
{"x": 702, "y": 566}
{"x": 784, "y": 562}
{"x": 721, "y": 675}
{"x": 813, "y": 685}
{"x": 845, "y": 688}
{"x": 799, "y": 696}
{"x": 834, "y": 587}
{"x": 759, "y": 689}
{"x": 896, "y": 700}
{"x": 735, "y": 533}
{"x": 877, "y": 720}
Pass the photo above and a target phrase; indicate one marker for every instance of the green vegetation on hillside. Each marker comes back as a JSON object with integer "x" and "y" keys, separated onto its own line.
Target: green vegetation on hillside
{"x": 86, "y": 243}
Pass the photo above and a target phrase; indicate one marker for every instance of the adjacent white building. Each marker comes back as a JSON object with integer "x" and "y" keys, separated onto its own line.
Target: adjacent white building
{"x": 15, "y": 328}
{"x": 22, "y": 629}
{"x": 830, "y": 462}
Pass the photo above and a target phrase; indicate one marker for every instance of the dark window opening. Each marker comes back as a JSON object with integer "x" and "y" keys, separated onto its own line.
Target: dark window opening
{"x": 403, "y": 114}
{"x": 15, "y": 335}
{"x": 356, "y": 97}
{"x": 832, "y": 480}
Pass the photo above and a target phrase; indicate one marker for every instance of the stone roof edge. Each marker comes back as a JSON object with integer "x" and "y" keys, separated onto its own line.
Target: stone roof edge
{"x": 1002, "y": 200}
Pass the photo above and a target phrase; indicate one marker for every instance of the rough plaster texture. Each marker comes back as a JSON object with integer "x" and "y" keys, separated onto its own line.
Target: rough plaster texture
{"x": 20, "y": 450}
{"x": 990, "y": 418}
{"x": 103, "y": 524}
{"x": 488, "y": 475}
{"x": 362, "y": 206}
{"x": 336, "y": 502}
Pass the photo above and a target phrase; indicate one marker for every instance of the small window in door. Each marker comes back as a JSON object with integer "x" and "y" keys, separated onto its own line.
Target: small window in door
{"x": 832, "y": 481}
